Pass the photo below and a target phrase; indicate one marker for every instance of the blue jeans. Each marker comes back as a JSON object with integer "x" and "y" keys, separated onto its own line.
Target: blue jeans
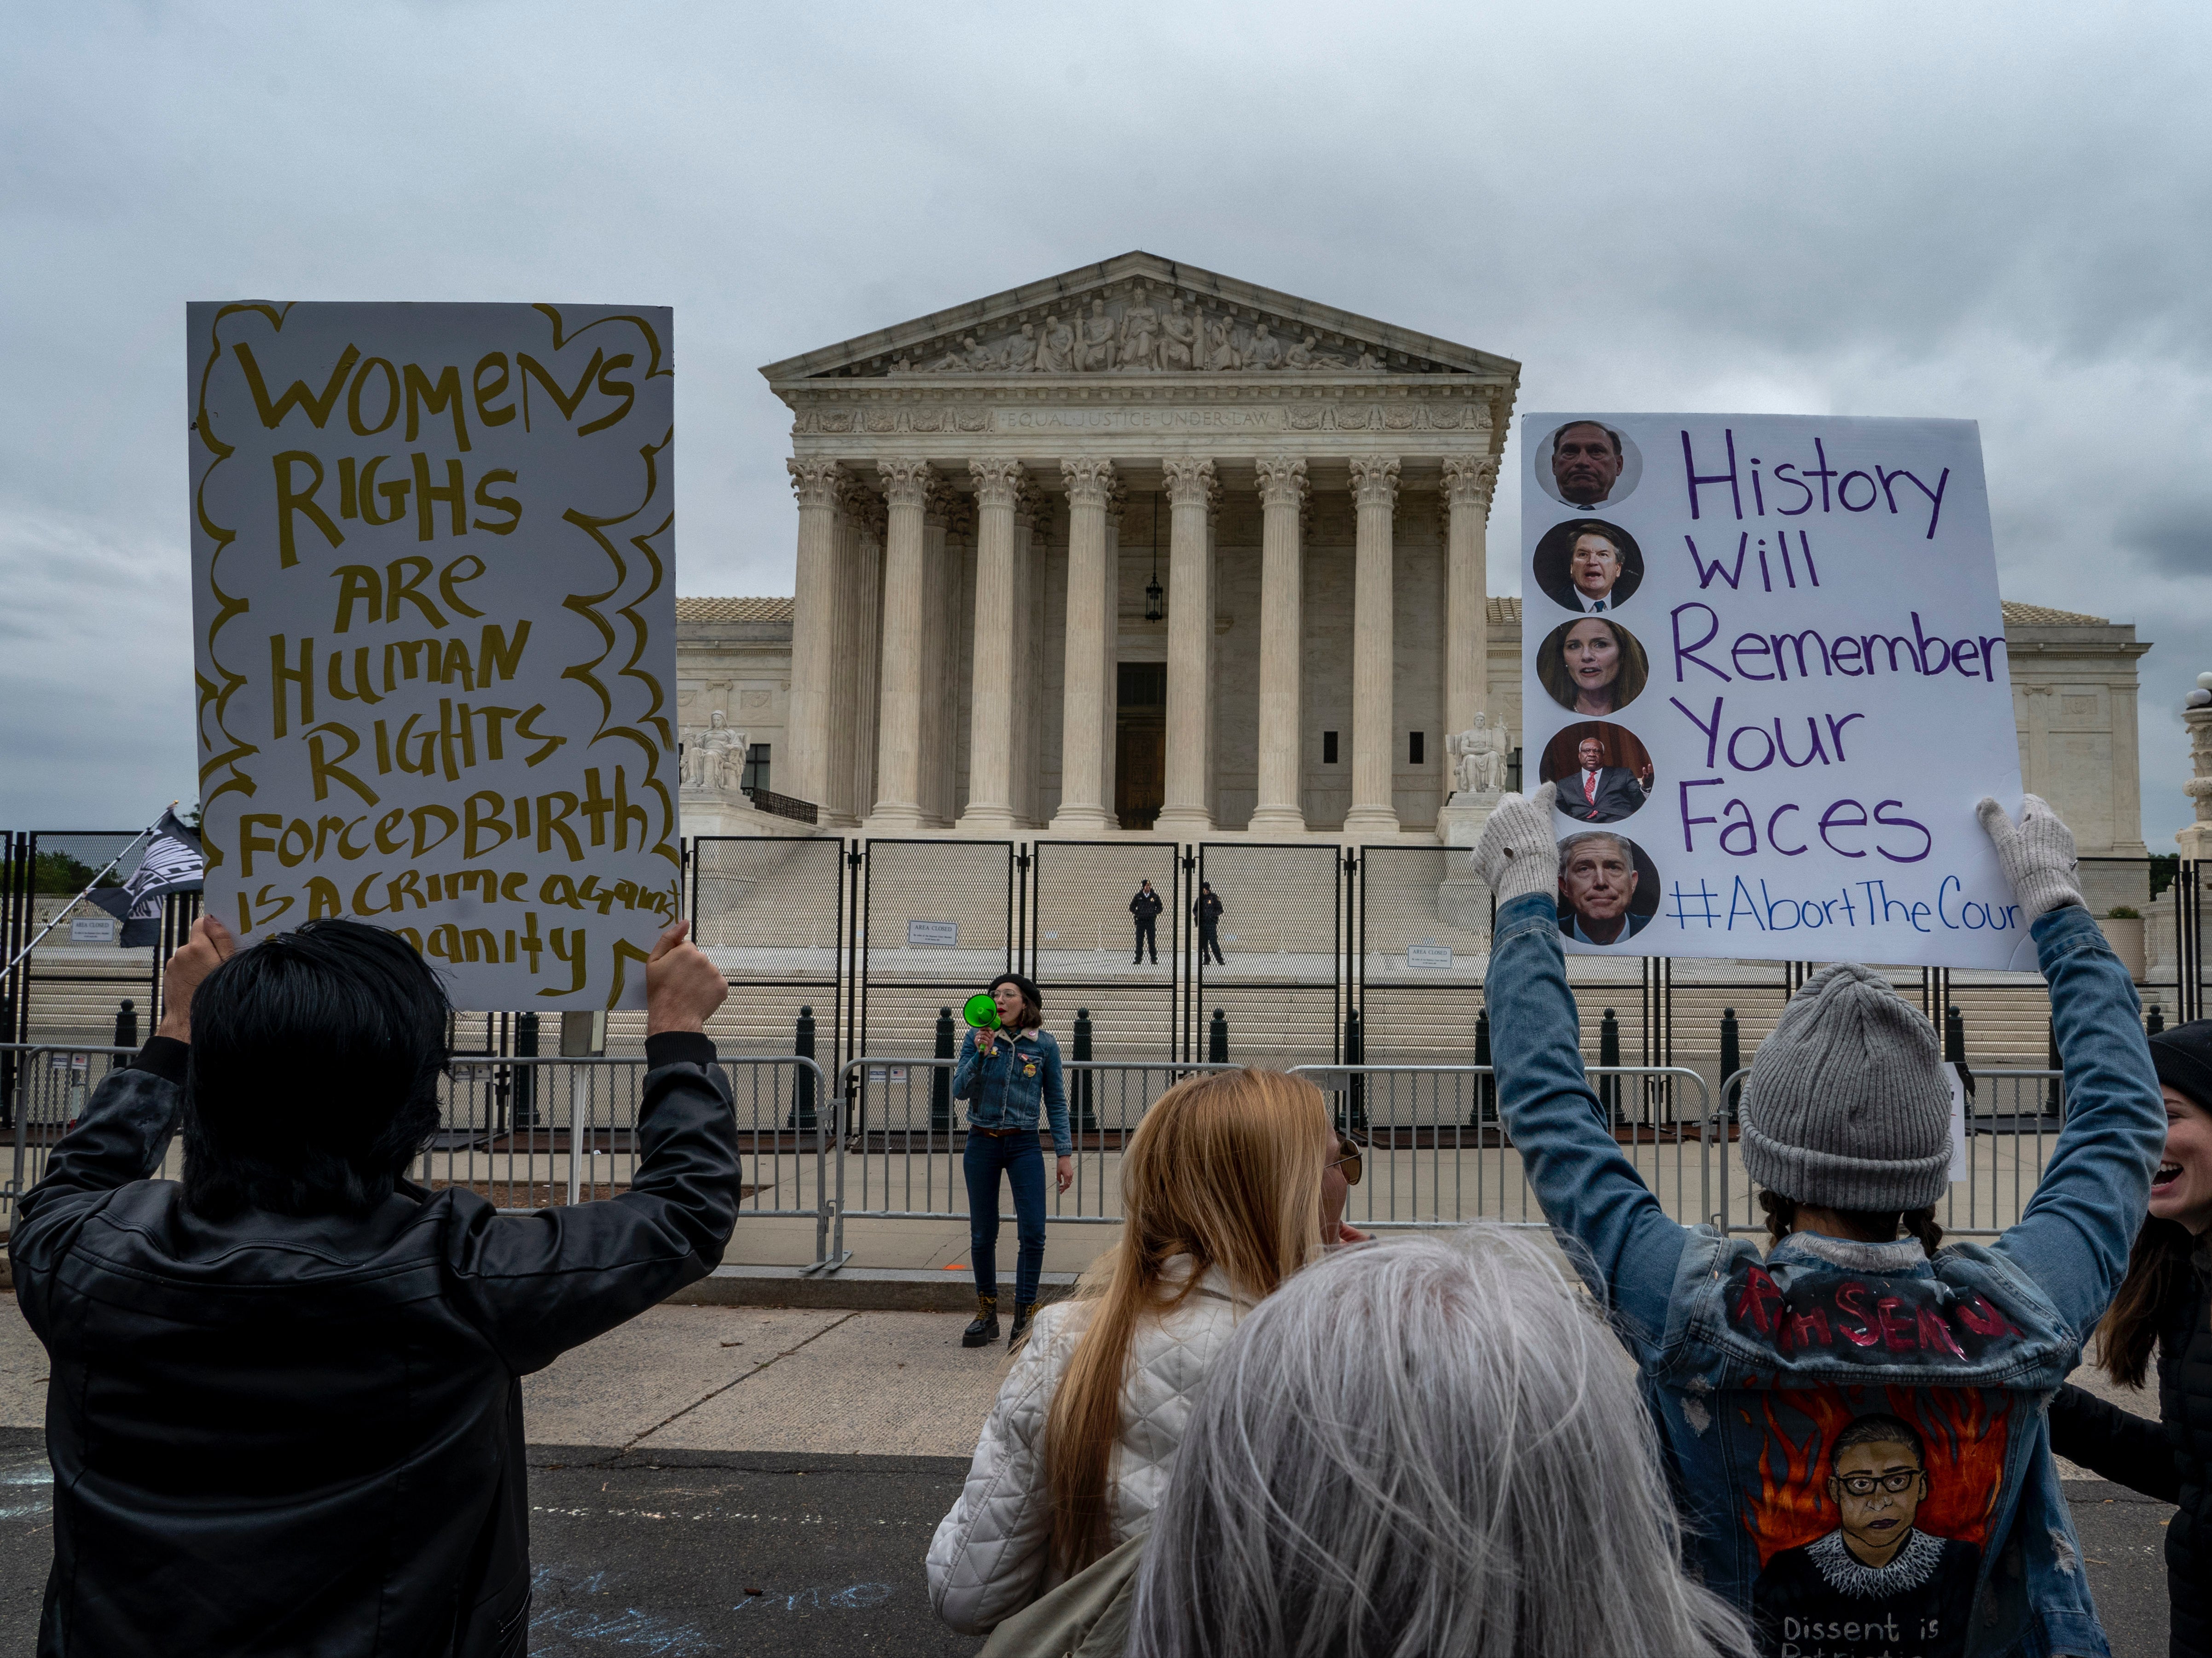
{"x": 1023, "y": 1159}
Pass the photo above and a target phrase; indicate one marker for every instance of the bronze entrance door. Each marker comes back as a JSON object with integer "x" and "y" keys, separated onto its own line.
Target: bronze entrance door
{"x": 1140, "y": 743}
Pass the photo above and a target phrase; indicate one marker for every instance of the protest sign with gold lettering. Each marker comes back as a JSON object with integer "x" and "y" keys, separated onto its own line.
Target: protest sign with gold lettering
{"x": 434, "y": 628}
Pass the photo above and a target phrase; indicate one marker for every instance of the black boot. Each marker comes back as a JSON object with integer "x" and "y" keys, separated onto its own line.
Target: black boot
{"x": 985, "y": 1330}
{"x": 1022, "y": 1311}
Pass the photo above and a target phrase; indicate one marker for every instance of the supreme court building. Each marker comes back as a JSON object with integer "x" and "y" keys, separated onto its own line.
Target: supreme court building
{"x": 1138, "y": 546}
{"x": 1143, "y": 548}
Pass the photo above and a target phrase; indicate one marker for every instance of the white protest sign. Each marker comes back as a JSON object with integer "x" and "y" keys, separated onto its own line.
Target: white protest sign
{"x": 433, "y": 629}
{"x": 1764, "y": 663}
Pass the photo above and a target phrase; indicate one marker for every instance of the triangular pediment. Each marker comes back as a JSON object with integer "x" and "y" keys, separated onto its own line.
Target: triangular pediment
{"x": 1140, "y": 315}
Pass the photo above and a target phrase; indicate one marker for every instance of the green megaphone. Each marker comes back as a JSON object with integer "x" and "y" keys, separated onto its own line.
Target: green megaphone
{"x": 981, "y": 1011}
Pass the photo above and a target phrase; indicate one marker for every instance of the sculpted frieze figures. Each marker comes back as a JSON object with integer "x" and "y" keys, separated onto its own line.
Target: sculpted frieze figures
{"x": 1221, "y": 353}
{"x": 1140, "y": 332}
{"x": 1056, "y": 351}
{"x": 1179, "y": 338}
{"x": 1135, "y": 336}
{"x": 1094, "y": 347}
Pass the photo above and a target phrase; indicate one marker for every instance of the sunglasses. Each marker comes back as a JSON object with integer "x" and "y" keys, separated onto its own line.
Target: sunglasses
{"x": 1350, "y": 1151}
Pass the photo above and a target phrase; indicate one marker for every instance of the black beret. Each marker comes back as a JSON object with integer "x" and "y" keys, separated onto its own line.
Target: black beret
{"x": 2182, "y": 1056}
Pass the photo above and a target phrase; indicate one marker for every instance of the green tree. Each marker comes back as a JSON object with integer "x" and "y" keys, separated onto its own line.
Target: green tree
{"x": 60, "y": 872}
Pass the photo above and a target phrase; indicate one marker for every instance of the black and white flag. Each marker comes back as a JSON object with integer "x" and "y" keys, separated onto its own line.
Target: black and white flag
{"x": 172, "y": 864}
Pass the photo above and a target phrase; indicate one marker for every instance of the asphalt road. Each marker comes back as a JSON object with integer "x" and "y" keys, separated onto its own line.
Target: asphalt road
{"x": 701, "y": 1554}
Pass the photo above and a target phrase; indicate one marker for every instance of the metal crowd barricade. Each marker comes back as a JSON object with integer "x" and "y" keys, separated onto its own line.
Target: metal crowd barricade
{"x": 525, "y": 1133}
{"x": 53, "y": 1082}
{"x": 529, "y": 1134}
{"x": 1437, "y": 1154}
{"x": 908, "y": 1136}
{"x": 2014, "y": 1118}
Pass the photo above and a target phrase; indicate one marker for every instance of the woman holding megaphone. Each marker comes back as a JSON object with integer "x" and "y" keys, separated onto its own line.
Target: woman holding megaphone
{"x": 1009, "y": 1074}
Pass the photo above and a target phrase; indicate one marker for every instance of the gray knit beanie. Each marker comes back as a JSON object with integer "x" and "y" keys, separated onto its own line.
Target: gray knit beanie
{"x": 1848, "y": 1105}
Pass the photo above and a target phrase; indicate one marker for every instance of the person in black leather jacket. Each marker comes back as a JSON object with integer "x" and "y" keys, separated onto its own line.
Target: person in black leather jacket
{"x": 2165, "y": 1300}
{"x": 285, "y": 1411}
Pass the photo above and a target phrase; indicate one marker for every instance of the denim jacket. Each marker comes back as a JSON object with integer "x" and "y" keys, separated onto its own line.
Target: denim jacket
{"x": 1754, "y": 1367}
{"x": 1004, "y": 1090}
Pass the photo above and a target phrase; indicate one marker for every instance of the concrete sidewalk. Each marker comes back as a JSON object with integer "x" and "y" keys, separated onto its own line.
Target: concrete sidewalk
{"x": 821, "y": 1380}
{"x": 713, "y": 1378}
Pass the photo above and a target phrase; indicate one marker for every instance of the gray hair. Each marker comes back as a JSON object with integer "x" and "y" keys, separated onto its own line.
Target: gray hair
{"x": 1428, "y": 1447}
{"x": 1620, "y": 844}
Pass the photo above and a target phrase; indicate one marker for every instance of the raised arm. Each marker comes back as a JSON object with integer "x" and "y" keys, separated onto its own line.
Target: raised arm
{"x": 123, "y": 1132}
{"x": 2074, "y": 1236}
{"x": 540, "y": 1283}
{"x": 1588, "y": 1190}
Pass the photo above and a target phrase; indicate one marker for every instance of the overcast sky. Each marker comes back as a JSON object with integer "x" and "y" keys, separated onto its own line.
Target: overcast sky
{"x": 1994, "y": 212}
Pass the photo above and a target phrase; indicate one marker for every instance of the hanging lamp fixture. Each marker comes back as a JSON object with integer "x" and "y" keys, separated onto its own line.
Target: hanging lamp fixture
{"x": 1156, "y": 607}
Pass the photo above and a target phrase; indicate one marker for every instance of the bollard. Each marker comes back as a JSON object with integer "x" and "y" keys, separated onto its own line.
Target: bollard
{"x": 940, "y": 1077}
{"x": 1217, "y": 1039}
{"x": 1086, "y": 1117}
{"x": 1731, "y": 1061}
{"x": 525, "y": 1076}
{"x": 1608, "y": 1052}
{"x": 2154, "y": 1020}
{"x": 1486, "y": 1088}
{"x": 1954, "y": 1036}
{"x": 802, "y": 1099}
{"x": 127, "y": 1024}
{"x": 1355, "y": 1053}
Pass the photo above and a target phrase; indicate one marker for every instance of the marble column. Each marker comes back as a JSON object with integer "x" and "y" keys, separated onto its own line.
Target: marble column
{"x": 1283, "y": 489}
{"x": 1083, "y": 806}
{"x": 859, "y": 699}
{"x": 1186, "y": 808}
{"x": 953, "y": 670}
{"x": 1468, "y": 481}
{"x": 1374, "y": 663}
{"x": 817, "y": 762}
{"x": 998, "y": 650}
{"x": 1110, "y": 704}
{"x": 1032, "y": 527}
{"x": 940, "y": 649}
{"x": 897, "y": 806}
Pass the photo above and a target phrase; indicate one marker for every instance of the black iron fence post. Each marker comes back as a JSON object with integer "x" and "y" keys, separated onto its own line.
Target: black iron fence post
{"x": 127, "y": 1024}
{"x": 2153, "y": 1021}
{"x": 802, "y": 1102}
{"x": 1086, "y": 1118}
{"x": 1355, "y": 1053}
{"x": 1217, "y": 1039}
{"x": 1954, "y": 1036}
{"x": 525, "y": 1076}
{"x": 1731, "y": 1061}
{"x": 1608, "y": 1052}
{"x": 1486, "y": 1087}
{"x": 940, "y": 1077}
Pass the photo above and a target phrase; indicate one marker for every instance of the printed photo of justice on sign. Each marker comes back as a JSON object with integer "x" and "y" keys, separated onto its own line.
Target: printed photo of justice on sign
{"x": 1764, "y": 668}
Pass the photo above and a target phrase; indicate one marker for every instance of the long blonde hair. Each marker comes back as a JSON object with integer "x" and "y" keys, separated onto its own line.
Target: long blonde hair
{"x": 1226, "y": 1167}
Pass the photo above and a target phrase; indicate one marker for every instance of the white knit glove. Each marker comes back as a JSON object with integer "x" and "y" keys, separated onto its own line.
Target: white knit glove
{"x": 1517, "y": 854}
{"x": 2037, "y": 857}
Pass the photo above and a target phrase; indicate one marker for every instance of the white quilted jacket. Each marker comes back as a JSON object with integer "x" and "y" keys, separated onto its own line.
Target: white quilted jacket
{"x": 988, "y": 1560}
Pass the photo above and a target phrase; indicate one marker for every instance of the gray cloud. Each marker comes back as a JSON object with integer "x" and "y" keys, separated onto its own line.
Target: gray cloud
{"x": 1997, "y": 212}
